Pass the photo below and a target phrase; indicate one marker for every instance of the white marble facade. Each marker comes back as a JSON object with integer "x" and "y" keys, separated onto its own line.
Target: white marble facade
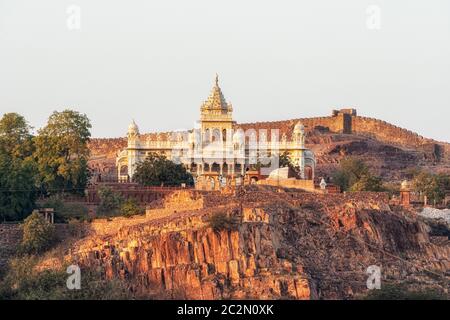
{"x": 218, "y": 146}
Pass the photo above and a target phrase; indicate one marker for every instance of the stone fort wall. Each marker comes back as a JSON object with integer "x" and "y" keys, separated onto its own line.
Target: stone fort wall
{"x": 346, "y": 121}
{"x": 341, "y": 121}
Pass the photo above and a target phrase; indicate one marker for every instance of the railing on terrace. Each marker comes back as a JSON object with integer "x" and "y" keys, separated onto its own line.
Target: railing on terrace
{"x": 135, "y": 186}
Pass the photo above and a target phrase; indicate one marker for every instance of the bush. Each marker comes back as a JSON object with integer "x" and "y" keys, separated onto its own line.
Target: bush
{"x": 221, "y": 221}
{"x": 66, "y": 211}
{"x": 38, "y": 234}
{"x": 368, "y": 183}
{"x": 402, "y": 292}
{"x": 24, "y": 282}
{"x": 130, "y": 208}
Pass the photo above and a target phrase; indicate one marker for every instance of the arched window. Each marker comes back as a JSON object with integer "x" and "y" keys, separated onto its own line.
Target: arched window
{"x": 123, "y": 170}
{"x": 216, "y": 135}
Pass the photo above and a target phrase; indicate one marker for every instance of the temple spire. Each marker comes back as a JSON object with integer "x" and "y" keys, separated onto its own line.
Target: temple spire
{"x": 216, "y": 100}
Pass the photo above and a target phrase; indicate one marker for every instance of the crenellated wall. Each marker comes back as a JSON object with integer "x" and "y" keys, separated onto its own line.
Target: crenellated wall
{"x": 387, "y": 132}
{"x": 341, "y": 121}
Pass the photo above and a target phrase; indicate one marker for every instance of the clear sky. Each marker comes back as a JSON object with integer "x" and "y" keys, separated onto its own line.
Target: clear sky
{"x": 155, "y": 61}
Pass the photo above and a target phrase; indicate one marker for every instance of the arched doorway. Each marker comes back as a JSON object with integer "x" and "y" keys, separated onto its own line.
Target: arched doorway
{"x": 215, "y": 167}
{"x": 308, "y": 173}
{"x": 225, "y": 169}
{"x": 216, "y": 135}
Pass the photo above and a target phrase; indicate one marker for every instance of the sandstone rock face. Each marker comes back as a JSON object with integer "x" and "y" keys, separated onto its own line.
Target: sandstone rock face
{"x": 288, "y": 245}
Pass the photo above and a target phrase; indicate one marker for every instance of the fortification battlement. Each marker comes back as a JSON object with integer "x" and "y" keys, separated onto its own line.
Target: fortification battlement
{"x": 344, "y": 121}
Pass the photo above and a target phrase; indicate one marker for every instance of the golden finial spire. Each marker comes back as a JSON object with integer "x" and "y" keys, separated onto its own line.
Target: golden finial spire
{"x": 217, "y": 79}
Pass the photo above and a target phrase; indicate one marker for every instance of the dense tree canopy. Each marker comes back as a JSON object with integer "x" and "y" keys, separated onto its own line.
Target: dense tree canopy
{"x": 110, "y": 201}
{"x": 55, "y": 160}
{"x": 17, "y": 168}
{"x": 62, "y": 152}
{"x": 15, "y": 136}
{"x": 157, "y": 170}
{"x": 354, "y": 175}
{"x": 431, "y": 185}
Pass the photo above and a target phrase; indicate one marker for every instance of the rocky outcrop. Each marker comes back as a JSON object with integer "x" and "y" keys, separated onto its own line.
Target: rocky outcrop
{"x": 288, "y": 245}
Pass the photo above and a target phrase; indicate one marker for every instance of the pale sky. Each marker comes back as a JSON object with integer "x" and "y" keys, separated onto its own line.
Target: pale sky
{"x": 155, "y": 61}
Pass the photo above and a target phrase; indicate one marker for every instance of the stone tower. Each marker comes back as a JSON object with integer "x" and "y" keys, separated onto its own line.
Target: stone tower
{"x": 298, "y": 156}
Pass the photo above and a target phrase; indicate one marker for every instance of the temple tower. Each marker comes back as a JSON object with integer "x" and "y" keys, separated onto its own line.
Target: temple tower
{"x": 216, "y": 120}
{"x": 298, "y": 156}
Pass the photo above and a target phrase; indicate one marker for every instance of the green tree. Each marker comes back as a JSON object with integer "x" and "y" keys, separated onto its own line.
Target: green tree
{"x": 17, "y": 188}
{"x": 15, "y": 137}
{"x": 38, "y": 234}
{"x": 62, "y": 151}
{"x": 17, "y": 168}
{"x": 286, "y": 161}
{"x": 130, "y": 208}
{"x": 368, "y": 182}
{"x": 430, "y": 185}
{"x": 110, "y": 201}
{"x": 157, "y": 170}
{"x": 354, "y": 175}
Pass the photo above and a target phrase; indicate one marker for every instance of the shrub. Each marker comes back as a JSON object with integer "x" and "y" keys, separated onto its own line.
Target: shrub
{"x": 354, "y": 175}
{"x": 221, "y": 221}
{"x": 130, "y": 208}
{"x": 368, "y": 182}
{"x": 402, "y": 292}
{"x": 24, "y": 282}
{"x": 38, "y": 234}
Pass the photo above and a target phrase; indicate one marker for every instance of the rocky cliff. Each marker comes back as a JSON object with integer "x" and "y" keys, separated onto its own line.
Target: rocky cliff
{"x": 286, "y": 244}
